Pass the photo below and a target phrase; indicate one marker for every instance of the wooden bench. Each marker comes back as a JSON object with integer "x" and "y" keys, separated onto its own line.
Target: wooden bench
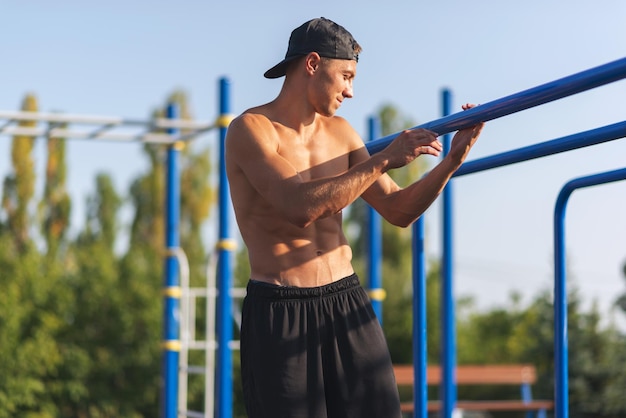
{"x": 506, "y": 374}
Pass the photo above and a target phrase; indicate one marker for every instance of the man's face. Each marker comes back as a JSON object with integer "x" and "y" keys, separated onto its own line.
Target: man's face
{"x": 333, "y": 84}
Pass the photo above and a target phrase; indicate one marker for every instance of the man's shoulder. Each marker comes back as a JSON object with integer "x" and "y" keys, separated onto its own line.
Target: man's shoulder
{"x": 250, "y": 130}
{"x": 337, "y": 122}
{"x": 250, "y": 123}
{"x": 340, "y": 129}
{"x": 255, "y": 115}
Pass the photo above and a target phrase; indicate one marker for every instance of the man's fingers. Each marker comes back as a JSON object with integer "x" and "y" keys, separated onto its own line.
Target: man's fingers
{"x": 427, "y": 149}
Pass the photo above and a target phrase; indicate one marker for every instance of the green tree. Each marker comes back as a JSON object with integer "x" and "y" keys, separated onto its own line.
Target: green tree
{"x": 55, "y": 206}
{"x": 517, "y": 334}
{"x": 620, "y": 302}
{"x": 32, "y": 303}
{"x": 102, "y": 222}
{"x": 80, "y": 325}
{"x": 19, "y": 186}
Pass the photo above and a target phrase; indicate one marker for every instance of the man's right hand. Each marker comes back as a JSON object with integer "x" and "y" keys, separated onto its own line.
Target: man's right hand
{"x": 409, "y": 145}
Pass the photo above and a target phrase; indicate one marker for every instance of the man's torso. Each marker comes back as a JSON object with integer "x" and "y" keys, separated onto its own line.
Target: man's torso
{"x": 279, "y": 251}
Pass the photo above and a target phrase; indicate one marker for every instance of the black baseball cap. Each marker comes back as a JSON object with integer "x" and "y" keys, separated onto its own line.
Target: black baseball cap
{"x": 320, "y": 35}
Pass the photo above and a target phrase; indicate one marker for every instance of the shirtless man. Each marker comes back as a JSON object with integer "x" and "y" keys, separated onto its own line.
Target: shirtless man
{"x": 310, "y": 343}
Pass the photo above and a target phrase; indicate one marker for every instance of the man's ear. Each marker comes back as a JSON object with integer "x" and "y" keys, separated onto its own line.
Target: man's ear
{"x": 312, "y": 62}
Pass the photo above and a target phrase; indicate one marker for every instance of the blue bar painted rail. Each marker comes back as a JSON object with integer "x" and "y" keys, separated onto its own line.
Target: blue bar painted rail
{"x": 545, "y": 93}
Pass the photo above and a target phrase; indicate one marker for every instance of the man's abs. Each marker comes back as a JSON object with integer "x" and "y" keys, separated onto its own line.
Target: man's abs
{"x": 302, "y": 257}
{"x": 302, "y": 267}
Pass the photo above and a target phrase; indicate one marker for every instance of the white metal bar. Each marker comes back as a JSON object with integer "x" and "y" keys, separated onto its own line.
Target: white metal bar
{"x": 99, "y": 132}
{"x": 21, "y": 116}
{"x": 69, "y": 134}
{"x": 191, "y": 414}
{"x": 202, "y": 345}
{"x": 63, "y": 117}
{"x": 197, "y": 291}
{"x": 24, "y": 131}
{"x": 210, "y": 345}
{"x": 183, "y": 270}
{"x": 191, "y": 316}
{"x": 192, "y": 128}
{"x": 238, "y": 292}
{"x": 235, "y": 292}
{"x": 182, "y": 124}
{"x": 210, "y": 332}
{"x": 194, "y": 369}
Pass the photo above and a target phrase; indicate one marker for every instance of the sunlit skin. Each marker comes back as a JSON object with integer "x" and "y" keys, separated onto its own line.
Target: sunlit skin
{"x": 293, "y": 166}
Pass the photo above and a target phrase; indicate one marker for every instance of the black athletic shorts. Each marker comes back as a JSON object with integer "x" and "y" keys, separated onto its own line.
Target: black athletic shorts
{"x": 315, "y": 353}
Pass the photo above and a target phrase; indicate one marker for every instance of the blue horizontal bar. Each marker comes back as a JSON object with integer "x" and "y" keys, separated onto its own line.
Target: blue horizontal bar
{"x": 588, "y": 181}
{"x": 543, "y": 149}
{"x": 526, "y": 99}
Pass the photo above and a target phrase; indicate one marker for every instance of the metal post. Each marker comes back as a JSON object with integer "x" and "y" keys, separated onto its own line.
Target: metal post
{"x": 420, "y": 388}
{"x": 561, "y": 401}
{"x": 171, "y": 289}
{"x": 225, "y": 248}
{"x": 448, "y": 331}
{"x": 561, "y": 406}
{"x": 374, "y": 243}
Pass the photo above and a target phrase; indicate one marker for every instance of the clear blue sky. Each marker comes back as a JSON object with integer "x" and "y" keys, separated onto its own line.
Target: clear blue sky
{"x": 122, "y": 58}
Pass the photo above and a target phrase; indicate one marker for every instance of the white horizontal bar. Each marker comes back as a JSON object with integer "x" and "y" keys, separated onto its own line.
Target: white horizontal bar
{"x": 192, "y": 414}
{"x": 69, "y": 134}
{"x": 238, "y": 292}
{"x": 194, "y": 369}
{"x": 59, "y": 117}
{"x": 235, "y": 292}
{"x": 211, "y": 345}
{"x": 183, "y": 124}
{"x": 22, "y": 116}
{"x": 200, "y": 345}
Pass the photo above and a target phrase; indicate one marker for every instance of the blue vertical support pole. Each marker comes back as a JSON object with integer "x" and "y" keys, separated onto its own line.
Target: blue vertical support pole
{"x": 560, "y": 310}
{"x": 561, "y": 350}
{"x": 420, "y": 389}
{"x": 374, "y": 242}
{"x": 225, "y": 248}
{"x": 448, "y": 331}
{"x": 171, "y": 289}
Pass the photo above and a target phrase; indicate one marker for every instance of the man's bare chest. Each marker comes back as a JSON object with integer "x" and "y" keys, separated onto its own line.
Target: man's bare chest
{"x": 317, "y": 161}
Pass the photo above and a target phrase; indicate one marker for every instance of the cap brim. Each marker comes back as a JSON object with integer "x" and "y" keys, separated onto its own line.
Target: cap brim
{"x": 279, "y": 69}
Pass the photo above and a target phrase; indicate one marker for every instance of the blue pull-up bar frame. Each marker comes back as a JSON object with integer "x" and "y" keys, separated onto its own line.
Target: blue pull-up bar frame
{"x": 545, "y": 93}
{"x": 533, "y": 97}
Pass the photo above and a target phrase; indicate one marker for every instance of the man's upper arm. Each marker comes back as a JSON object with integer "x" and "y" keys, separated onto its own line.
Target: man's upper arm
{"x": 251, "y": 147}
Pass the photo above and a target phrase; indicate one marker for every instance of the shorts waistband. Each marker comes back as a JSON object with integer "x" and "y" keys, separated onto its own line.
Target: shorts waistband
{"x": 270, "y": 291}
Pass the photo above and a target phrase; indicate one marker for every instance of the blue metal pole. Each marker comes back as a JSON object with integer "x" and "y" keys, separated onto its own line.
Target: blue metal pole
{"x": 555, "y": 146}
{"x": 420, "y": 361}
{"x": 560, "y": 284}
{"x": 448, "y": 334}
{"x": 526, "y": 99}
{"x": 171, "y": 290}
{"x": 561, "y": 406}
{"x": 374, "y": 243}
{"x": 225, "y": 248}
